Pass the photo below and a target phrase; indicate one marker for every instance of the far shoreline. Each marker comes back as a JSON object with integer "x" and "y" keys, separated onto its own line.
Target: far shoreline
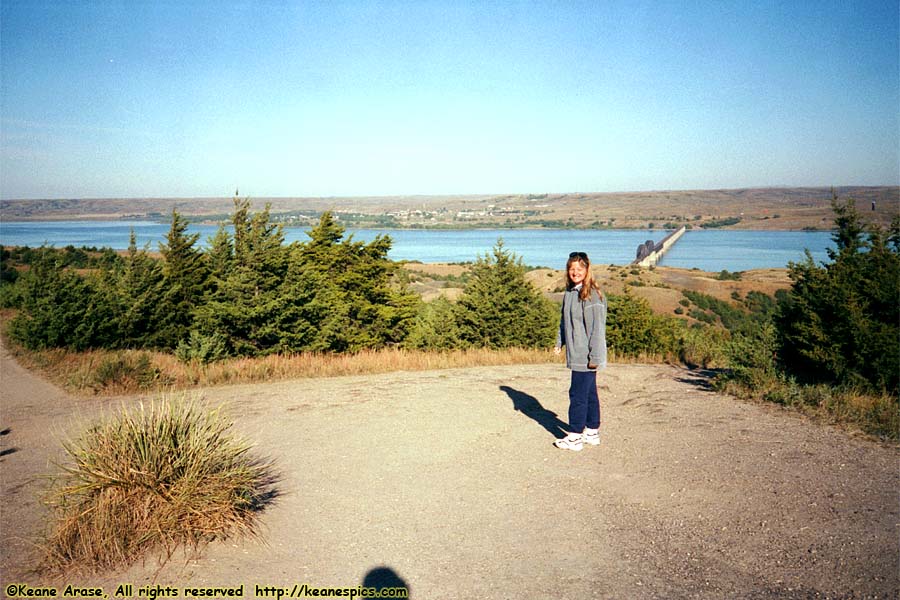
{"x": 787, "y": 209}
{"x": 497, "y": 227}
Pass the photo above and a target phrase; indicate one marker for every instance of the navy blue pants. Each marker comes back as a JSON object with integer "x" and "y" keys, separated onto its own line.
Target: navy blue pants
{"x": 584, "y": 404}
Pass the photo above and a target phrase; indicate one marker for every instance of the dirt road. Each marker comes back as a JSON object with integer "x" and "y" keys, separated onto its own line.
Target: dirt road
{"x": 448, "y": 481}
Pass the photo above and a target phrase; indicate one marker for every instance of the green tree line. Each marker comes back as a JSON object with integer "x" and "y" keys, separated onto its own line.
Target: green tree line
{"x": 247, "y": 294}
{"x": 250, "y": 294}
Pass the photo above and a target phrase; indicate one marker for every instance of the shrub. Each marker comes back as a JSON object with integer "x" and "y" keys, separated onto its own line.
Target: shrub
{"x": 435, "y": 327}
{"x": 8, "y": 274}
{"x": 633, "y": 329}
{"x": 715, "y": 223}
{"x": 125, "y": 370}
{"x": 202, "y": 348}
{"x": 762, "y": 304}
{"x": 152, "y": 478}
{"x": 726, "y": 275}
{"x": 705, "y": 347}
{"x": 10, "y": 296}
{"x": 751, "y": 358}
{"x": 756, "y": 310}
{"x": 703, "y": 316}
{"x": 60, "y": 308}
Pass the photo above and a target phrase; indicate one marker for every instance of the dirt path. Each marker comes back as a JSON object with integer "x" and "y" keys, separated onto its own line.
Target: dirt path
{"x": 449, "y": 479}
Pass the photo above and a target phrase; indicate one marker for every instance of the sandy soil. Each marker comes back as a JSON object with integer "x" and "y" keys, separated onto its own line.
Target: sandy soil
{"x": 449, "y": 479}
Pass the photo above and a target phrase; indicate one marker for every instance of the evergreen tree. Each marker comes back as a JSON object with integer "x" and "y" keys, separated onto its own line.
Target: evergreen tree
{"x": 500, "y": 309}
{"x": 243, "y": 299}
{"x": 185, "y": 279}
{"x": 841, "y": 321}
{"x": 314, "y": 314}
{"x": 219, "y": 255}
{"x": 137, "y": 288}
{"x": 435, "y": 327}
{"x": 893, "y": 238}
{"x": 237, "y": 312}
{"x": 259, "y": 245}
{"x": 343, "y": 295}
{"x": 61, "y": 309}
{"x": 849, "y": 229}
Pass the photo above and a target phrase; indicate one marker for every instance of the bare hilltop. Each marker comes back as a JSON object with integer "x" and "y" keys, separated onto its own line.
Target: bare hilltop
{"x": 773, "y": 208}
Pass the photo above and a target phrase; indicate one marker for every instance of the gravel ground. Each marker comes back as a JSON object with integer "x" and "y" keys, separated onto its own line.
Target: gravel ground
{"x": 448, "y": 482}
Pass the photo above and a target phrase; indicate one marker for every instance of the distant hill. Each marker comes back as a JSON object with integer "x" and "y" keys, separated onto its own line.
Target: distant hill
{"x": 752, "y": 208}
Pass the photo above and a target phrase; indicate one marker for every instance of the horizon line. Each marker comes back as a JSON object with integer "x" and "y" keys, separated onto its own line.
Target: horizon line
{"x": 465, "y": 195}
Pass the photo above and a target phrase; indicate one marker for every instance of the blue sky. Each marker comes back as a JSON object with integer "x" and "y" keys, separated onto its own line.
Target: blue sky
{"x": 163, "y": 99}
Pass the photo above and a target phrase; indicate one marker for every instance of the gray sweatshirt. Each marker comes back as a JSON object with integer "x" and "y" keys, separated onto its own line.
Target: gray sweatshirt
{"x": 582, "y": 330}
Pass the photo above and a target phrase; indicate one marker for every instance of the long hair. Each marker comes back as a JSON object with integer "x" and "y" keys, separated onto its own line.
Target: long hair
{"x": 589, "y": 283}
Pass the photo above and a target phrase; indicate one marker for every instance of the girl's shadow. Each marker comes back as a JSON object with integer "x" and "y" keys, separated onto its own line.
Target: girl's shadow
{"x": 530, "y": 407}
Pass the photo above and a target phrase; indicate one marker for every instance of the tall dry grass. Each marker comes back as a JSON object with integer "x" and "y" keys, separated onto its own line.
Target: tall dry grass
{"x": 106, "y": 372}
{"x": 114, "y": 372}
{"x": 872, "y": 413}
{"x": 155, "y": 477}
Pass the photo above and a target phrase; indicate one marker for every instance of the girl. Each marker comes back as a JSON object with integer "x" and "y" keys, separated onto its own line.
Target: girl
{"x": 582, "y": 330}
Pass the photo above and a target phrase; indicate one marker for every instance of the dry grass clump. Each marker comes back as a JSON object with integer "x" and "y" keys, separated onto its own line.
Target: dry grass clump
{"x": 157, "y": 477}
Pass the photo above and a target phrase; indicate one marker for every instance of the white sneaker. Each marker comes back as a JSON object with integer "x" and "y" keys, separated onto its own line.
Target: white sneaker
{"x": 570, "y": 442}
{"x": 592, "y": 437}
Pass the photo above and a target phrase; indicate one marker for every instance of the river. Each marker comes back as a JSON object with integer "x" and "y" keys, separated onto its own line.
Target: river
{"x": 707, "y": 250}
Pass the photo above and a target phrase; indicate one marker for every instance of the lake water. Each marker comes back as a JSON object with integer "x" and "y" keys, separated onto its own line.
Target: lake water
{"x": 708, "y": 250}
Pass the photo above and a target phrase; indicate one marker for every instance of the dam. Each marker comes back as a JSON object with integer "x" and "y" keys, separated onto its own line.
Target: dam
{"x": 649, "y": 253}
